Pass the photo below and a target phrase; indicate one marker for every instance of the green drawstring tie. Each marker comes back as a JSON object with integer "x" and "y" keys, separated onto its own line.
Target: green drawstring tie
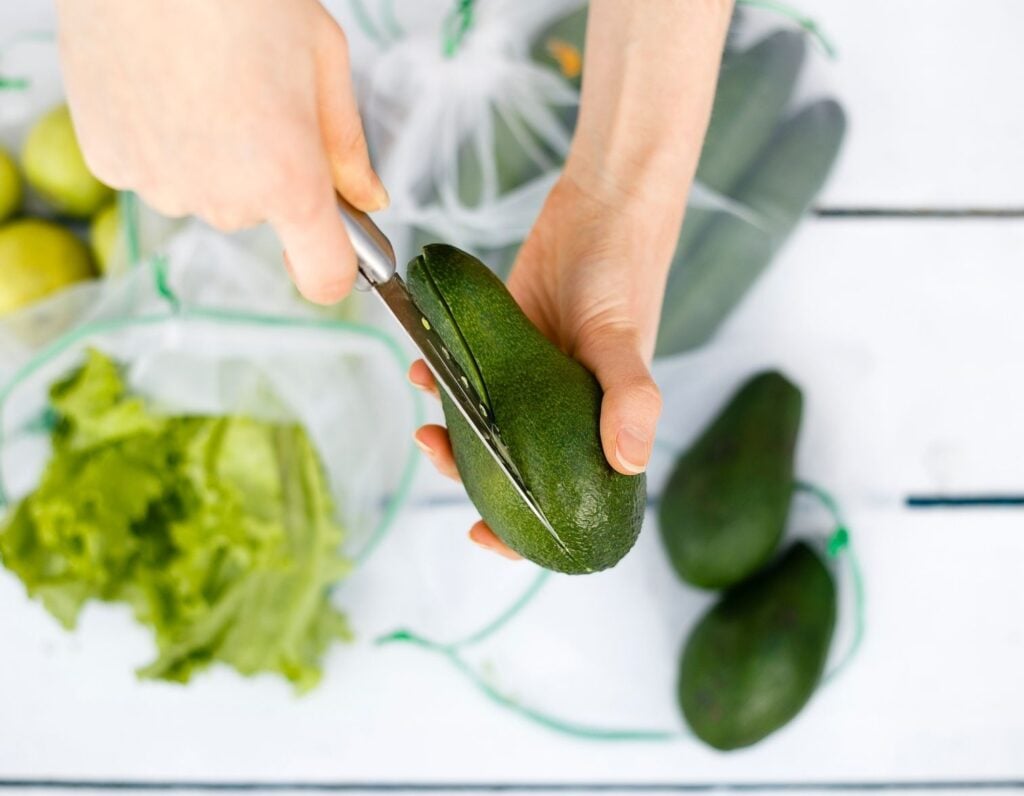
{"x": 838, "y": 546}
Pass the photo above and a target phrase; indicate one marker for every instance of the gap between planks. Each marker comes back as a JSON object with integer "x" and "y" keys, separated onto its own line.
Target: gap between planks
{"x": 904, "y": 213}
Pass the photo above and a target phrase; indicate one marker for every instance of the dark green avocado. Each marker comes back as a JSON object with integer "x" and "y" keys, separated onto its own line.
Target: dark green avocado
{"x": 725, "y": 506}
{"x": 754, "y": 660}
{"x": 547, "y": 408}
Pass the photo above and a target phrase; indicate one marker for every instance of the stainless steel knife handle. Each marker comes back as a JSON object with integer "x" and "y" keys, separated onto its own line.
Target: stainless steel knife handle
{"x": 374, "y": 252}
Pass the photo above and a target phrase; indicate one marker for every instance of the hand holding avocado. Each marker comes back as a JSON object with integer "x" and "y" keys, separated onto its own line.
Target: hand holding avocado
{"x": 591, "y": 274}
{"x": 579, "y": 280}
{"x": 547, "y": 408}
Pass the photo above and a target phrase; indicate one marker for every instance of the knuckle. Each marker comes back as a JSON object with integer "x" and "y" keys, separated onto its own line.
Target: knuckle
{"x": 352, "y": 141}
{"x": 639, "y": 390}
{"x": 296, "y": 194}
{"x": 225, "y": 219}
{"x": 165, "y": 204}
{"x": 303, "y": 208}
{"x": 646, "y": 389}
{"x": 224, "y": 223}
{"x": 335, "y": 40}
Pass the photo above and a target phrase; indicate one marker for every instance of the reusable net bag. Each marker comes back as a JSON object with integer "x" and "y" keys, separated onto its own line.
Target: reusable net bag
{"x": 470, "y": 107}
{"x": 210, "y": 330}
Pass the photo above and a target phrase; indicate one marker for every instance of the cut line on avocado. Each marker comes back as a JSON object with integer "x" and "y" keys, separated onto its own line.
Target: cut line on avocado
{"x": 482, "y": 391}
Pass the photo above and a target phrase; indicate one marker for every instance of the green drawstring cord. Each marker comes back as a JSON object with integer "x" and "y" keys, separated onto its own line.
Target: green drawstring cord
{"x": 395, "y": 30}
{"x": 128, "y": 207}
{"x": 450, "y": 652}
{"x": 546, "y": 720}
{"x": 457, "y": 24}
{"x": 837, "y": 545}
{"x": 21, "y": 83}
{"x": 366, "y": 22}
{"x": 797, "y": 17}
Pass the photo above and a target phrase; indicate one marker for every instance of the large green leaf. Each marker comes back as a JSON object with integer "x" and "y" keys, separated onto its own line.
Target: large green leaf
{"x": 718, "y": 266}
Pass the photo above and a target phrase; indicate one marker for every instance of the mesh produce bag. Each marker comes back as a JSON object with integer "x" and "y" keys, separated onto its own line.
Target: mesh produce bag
{"x": 210, "y": 330}
{"x": 469, "y": 109}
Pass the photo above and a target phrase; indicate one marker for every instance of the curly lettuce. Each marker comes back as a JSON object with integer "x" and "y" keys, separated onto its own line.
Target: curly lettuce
{"x": 219, "y": 532}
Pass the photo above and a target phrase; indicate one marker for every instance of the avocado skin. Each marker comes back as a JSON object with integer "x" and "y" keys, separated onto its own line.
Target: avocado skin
{"x": 547, "y": 408}
{"x": 725, "y": 507}
{"x": 756, "y": 657}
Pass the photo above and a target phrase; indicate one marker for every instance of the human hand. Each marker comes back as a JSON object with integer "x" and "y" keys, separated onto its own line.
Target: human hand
{"x": 592, "y": 273}
{"x": 583, "y": 277}
{"x": 238, "y": 111}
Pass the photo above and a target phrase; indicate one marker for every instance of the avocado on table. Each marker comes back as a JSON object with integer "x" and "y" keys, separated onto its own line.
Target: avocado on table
{"x": 547, "y": 408}
{"x": 756, "y": 657}
{"x": 725, "y": 506}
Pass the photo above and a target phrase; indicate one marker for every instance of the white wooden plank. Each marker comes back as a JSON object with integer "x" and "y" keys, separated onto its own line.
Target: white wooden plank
{"x": 931, "y": 94}
{"x": 933, "y": 694}
{"x": 904, "y": 335}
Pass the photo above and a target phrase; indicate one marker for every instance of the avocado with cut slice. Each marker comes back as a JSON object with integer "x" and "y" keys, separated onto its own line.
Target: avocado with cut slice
{"x": 754, "y": 660}
{"x": 547, "y": 408}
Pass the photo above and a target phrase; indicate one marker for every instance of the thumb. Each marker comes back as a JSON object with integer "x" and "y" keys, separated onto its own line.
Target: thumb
{"x": 632, "y": 402}
{"x": 342, "y": 128}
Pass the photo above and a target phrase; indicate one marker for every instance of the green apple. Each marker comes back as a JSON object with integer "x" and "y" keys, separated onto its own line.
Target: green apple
{"x": 104, "y": 236}
{"x": 55, "y": 168}
{"x": 10, "y": 187}
{"x": 38, "y": 258}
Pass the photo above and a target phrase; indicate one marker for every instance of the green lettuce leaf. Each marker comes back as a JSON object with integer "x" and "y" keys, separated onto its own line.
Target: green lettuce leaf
{"x": 219, "y": 532}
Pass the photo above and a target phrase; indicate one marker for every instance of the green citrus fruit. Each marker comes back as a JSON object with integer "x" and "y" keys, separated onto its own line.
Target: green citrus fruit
{"x": 55, "y": 168}
{"x": 38, "y": 258}
{"x": 104, "y": 233}
{"x": 10, "y": 187}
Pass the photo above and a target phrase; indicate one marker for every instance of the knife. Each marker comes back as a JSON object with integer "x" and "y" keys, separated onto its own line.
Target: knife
{"x": 378, "y": 267}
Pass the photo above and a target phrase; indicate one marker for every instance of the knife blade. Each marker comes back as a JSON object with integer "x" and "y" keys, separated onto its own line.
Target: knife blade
{"x": 378, "y": 268}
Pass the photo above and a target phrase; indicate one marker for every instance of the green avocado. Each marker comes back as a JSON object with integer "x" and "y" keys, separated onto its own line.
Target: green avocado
{"x": 755, "y": 658}
{"x": 547, "y": 408}
{"x": 726, "y": 503}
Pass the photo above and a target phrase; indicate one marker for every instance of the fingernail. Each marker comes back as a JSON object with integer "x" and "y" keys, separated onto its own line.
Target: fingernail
{"x": 382, "y": 199}
{"x": 417, "y": 385}
{"x": 423, "y": 447}
{"x": 632, "y": 450}
{"x": 508, "y": 554}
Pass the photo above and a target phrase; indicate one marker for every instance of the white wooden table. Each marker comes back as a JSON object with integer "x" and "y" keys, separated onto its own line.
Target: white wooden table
{"x": 897, "y": 308}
